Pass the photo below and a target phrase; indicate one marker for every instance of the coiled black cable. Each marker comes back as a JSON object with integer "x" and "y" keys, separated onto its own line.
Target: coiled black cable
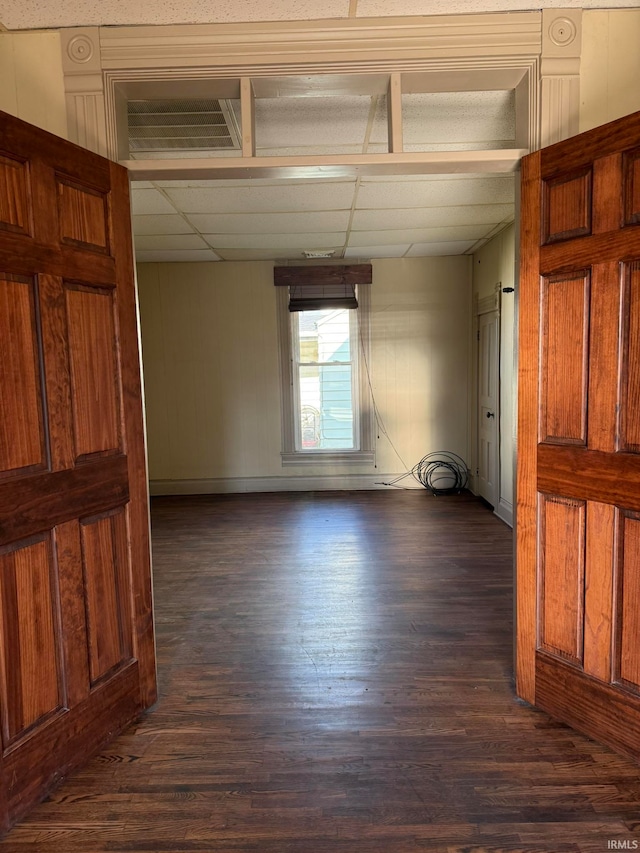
{"x": 441, "y": 472}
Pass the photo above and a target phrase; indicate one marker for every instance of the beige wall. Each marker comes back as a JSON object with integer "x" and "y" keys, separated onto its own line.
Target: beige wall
{"x": 31, "y": 81}
{"x": 609, "y": 66}
{"x": 493, "y": 263}
{"x": 210, "y": 355}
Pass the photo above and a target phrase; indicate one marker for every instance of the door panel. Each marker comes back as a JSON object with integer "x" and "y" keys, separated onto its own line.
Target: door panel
{"x": 22, "y": 442}
{"x": 561, "y": 570}
{"x": 95, "y": 394}
{"x": 76, "y": 632}
{"x": 32, "y": 686}
{"x": 565, "y": 302}
{"x": 578, "y": 531}
{"x": 106, "y": 587}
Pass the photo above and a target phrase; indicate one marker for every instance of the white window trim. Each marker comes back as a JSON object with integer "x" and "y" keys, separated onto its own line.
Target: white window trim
{"x": 364, "y": 418}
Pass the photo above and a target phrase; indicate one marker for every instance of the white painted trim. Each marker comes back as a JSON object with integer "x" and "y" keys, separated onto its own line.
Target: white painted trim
{"x": 314, "y": 483}
{"x": 276, "y": 46}
{"x": 328, "y": 165}
{"x": 504, "y": 511}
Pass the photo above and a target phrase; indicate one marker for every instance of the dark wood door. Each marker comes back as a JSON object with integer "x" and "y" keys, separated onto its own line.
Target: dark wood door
{"x": 578, "y": 522}
{"x": 76, "y": 632}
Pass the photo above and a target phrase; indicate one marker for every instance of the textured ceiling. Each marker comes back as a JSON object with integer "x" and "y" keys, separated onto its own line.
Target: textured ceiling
{"x": 30, "y": 14}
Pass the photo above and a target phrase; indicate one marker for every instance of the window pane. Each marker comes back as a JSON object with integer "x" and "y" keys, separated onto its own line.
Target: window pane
{"x": 324, "y": 335}
{"x": 326, "y": 407}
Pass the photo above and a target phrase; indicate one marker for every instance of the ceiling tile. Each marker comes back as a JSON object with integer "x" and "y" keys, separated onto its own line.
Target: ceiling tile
{"x": 432, "y": 217}
{"x": 325, "y": 240}
{"x": 286, "y": 122}
{"x": 150, "y": 201}
{"x": 382, "y": 8}
{"x": 290, "y": 253}
{"x": 160, "y": 224}
{"x": 16, "y": 14}
{"x": 407, "y": 194}
{"x": 449, "y": 119}
{"x": 376, "y": 251}
{"x": 275, "y": 223}
{"x": 264, "y": 199}
{"x": 419, "y": 235}
{"x": 176, "y": 257}
{"x": 169, "y": 242}
{"x": 420, "y": 250}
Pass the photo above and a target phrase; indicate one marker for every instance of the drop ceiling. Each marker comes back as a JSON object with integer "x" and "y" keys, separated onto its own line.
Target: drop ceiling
{"x": 363, "y": 217}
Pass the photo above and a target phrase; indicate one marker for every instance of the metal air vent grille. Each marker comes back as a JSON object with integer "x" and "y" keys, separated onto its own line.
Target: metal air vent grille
{"x": 181, "y": 125}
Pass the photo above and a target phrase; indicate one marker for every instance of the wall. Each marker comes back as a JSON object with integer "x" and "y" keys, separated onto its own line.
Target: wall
{"x": 210, "y": 353}
{"x": 609, "y": 66}
{"x": 31, "y": 81}
{"x": 493, "y": 263}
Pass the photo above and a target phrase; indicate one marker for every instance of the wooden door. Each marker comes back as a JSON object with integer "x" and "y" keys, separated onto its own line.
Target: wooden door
{"x": 76, "y": 633}
{"x": 578, "y": 521}
{"x": 488, "y": 391}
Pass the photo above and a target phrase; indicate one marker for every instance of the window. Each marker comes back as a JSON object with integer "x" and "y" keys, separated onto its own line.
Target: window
{"x": 324, "y": 359}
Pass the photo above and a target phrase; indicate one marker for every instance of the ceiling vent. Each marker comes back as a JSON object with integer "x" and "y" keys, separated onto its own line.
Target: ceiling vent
{"x": 177, "y": 125}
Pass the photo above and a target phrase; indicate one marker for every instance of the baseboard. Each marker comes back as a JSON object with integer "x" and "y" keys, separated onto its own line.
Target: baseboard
{"x": 232, "y": 485}
{"x": 504, "y": 511}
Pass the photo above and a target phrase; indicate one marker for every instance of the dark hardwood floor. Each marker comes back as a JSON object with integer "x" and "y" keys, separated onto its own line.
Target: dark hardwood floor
{"x": 336, "y": 677}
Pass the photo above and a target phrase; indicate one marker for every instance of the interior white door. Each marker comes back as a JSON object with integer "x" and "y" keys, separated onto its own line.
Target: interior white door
{"x": 488, "y": 397}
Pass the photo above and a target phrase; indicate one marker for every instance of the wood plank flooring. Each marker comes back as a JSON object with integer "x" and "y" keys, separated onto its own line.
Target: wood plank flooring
{"x": 336, "y": 677}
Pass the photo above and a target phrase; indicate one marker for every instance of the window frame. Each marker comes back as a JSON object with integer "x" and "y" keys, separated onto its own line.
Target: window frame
{"x": 363, "y": 409}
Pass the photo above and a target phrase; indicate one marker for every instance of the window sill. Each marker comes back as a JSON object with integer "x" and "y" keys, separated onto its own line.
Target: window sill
{"x": 327, "y": 457}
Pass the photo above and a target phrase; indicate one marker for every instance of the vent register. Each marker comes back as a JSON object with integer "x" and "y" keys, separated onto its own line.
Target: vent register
{"x": 185, "y": 124}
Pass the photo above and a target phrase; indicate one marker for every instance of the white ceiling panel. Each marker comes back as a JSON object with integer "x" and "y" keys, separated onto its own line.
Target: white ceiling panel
{"x": 358, "y": 251}
{"x": 466, "y": 176}
{"x": 449, "y": 118}
{"x": 170, "y": 242}
{"x": 160, "y": 224}
{"x": 327, "y": 240}
{"x": 264, "y": 199}
{"x": 290, "y": 253}
{"x": 458, "y": 247}
{"x": 16, "y": 14}
{"x": 274, "y": 223}
{"x": 432, "y": 217}
{"x": 176, "y": 257}
{"x": 150, "y": 201}
{"x": 393, "y": 237}
{"x": 486, "y": 190}
{"x": 288, "y": 122}
{"x": 381, "y": 8}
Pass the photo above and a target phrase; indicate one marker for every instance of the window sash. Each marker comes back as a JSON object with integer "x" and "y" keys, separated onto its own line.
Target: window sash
{"x": 352, "y": 363}
{"x": 365, "y": 434}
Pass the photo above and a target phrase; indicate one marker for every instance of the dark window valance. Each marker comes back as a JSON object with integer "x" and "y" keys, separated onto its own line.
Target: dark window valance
{"x": 329, "y": 286}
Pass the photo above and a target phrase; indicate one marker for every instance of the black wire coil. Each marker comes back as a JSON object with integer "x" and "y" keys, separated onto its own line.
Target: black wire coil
{"x": 443, "y": 473}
